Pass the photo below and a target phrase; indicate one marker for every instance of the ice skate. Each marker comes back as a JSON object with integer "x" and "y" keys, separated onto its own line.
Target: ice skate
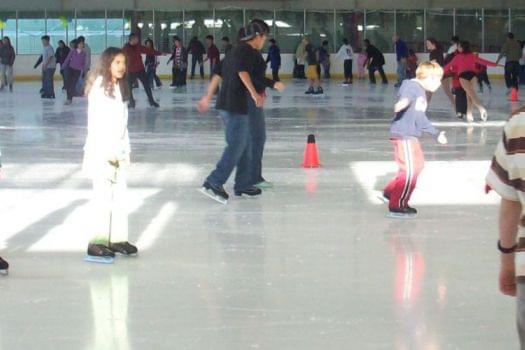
{"x": 402, "y": 213}
{"x": 123, "y": 248}
{"x": 4, "y": 267}
{"x": 264, "y": 185}
{"x": 99, "y": 253}
{"x": 216, "y": 193}
{"x": 250, "y": 191}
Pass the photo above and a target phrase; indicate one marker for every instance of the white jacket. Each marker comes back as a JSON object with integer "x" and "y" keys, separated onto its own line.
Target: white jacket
{"x": 107, "y": 137}
{"x": 345, "y": 52}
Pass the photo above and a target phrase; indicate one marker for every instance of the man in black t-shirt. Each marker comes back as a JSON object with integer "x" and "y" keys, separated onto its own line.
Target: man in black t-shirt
{"x": 374, "y": 62}
{"x": 236, "y": 71}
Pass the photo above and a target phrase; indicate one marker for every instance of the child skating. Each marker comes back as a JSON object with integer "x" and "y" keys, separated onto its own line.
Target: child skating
{"x": 106, "y": 157}
{"x": 407, "y": 127}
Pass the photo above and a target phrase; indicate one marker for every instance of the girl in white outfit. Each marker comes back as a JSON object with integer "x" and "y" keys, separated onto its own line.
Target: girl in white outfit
{"x": 106, "y": 155}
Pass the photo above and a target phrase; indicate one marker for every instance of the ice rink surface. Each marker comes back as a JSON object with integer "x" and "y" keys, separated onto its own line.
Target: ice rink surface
{"x": 312, "y": 264}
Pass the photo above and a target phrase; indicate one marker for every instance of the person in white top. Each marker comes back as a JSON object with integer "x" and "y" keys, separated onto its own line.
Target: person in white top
{"x": 347, "y": 54}
{"x": 447, "y": 78}
{"x": 107, "y": 156}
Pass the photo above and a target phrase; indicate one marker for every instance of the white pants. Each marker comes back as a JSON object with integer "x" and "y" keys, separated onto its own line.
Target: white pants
{"x": 6, "y": 75}
{"x": 110, "y": 213}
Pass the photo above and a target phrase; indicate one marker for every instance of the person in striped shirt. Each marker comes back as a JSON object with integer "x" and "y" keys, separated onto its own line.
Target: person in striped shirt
{"x": 507, "y": 177}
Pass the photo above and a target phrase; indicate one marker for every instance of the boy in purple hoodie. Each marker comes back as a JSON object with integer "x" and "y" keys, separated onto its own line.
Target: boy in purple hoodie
{"x": 407, "y": 127}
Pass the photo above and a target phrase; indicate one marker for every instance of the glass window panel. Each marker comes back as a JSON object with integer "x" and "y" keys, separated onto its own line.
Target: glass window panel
{"x": 320, "y": 27}
{"x": 60, "y": 26}
{"x": 140, "y": 23}
{"x": 115, "y": 29}
{"x": 167, "y": 25}
{"x": 469, "y": 27}
{"x": 92, "y": 26}
{"x": 409, "y": 27}
{"x": 8, "y": 26}
{"x": 518, "y": 23}
{"x": 496, "y": 29}
{"x": 380, "y": 29}
{"x": 199, "y": 24}
{"x": 440, "y": 25}
{"x": 228, "y": 23}
{"x": 31, "y": 27}
{"x": 289, "y": 29}
{"x": 350, "y": 25}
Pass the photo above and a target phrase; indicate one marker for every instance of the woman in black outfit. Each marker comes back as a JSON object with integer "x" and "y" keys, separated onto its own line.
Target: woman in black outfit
{"x": 60, "y": 55}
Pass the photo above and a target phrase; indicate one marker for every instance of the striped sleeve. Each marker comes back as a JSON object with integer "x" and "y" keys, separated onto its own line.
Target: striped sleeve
{"x": 507, "y": 171}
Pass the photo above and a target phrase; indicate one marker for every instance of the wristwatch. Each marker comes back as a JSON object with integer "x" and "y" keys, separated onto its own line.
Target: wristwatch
{"x": 510, "y": 250}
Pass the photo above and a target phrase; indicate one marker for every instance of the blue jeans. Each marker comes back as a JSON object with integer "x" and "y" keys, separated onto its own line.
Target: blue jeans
{"x": 258, "y": 139}
{"x": 237, "y": 152}
{"x": 47, "y": 81}
{"x": 401, "y": 70}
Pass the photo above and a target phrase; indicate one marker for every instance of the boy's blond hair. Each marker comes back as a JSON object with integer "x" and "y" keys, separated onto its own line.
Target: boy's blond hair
{"x": 429, "y": 69}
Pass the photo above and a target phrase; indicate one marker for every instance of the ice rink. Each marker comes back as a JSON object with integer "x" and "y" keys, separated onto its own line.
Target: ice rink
{"x": 312, "y": 264}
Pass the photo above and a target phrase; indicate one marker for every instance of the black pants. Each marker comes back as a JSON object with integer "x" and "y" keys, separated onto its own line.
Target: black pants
{"x": 194, "y": 60}
{"x": 300, "y": 71}
{"x": 348, "y": 70}
{"x": 72, "y": 79}
{"x": 371, "y": 71}
{"x": 461, "y": 100}
{"x": 178, "y": 76}
{"x": 275, "y": 74}
{"x": 483, "y": 77}
{"x": 512, "y": 73}
{"x": 142, "y": 76}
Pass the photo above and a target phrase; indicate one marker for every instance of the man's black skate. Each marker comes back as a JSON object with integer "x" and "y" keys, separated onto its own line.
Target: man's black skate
{"x": 250, "y": 191}
{"x": 215, "y": 192}
{"x": 124, "y": 248}
{"x": 402, "y": 213}
{"x": 4, "y": 266}
{"x": 319, "y": 91}
{"x": 99, "y": 253}
{"x": 310, "y": 91}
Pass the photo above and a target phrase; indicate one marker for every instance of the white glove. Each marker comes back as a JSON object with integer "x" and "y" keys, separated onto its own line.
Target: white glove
{"x": 442, "y": 139}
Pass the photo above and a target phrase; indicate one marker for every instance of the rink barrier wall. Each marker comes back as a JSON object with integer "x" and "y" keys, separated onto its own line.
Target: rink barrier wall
{"x": 23, "y": 69}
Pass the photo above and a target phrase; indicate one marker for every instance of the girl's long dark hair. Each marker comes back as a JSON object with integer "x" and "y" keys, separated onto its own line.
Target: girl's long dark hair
{"x": 436, "y": 43}
{"x": 8, "y": 40}
{"x": 103, "y": 69}
{"x": 466, "y": 46}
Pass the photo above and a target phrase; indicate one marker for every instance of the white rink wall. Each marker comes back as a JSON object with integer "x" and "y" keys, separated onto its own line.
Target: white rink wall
{"x": 24, "y": 65}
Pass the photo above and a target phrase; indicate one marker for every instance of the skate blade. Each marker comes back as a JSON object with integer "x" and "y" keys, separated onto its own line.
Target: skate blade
{"x": 99, "y": 259}
{"x": 213, "y": 196}
{"x": 401, "y": 216}
{"x": 382, "y": 198}
{"x": 4, "y": 272}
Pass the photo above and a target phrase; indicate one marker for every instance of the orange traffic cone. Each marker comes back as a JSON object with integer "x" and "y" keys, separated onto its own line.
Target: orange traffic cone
{"x": 311, "y": 157}
{"x": 513, "y": 95}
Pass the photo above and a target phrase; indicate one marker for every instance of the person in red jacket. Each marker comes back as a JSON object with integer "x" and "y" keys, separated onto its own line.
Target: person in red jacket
{"x": 464, "y": 65}
{"x": 136, "y": 70}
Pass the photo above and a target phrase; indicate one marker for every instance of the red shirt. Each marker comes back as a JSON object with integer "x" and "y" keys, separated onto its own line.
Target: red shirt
{"x": 213, "y": 53}
{"x": 133, "y": 55}
{"x": 466, "y": 62}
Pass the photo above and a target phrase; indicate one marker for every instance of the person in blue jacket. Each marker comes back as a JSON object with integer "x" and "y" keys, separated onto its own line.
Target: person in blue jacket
{"x": 274, "y": 57}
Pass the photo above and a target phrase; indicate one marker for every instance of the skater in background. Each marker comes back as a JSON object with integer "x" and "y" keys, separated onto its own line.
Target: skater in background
{"x": 505, "y": 176}
{"x": 511, "y": 50}
{"x": 61, "y": 54}
{"x": 236, "y": 72}
{"x": 464, "y": 65}
{"x": 483, "y": 77}
{"x": 401, "y": 49}
{"x": 48, "y": 61}
{"x": 448, "y": 76}
{"x": 7, "y": 61}
{"x": 324, "y": 58}
{"x": 226, "y": 45}
{"x": 361, "y": 62}
{"x": 346, "y": 53}
{"x": 81, "y": 83}
{"x": 4, "y": 265}
{"x": 180, "y": 64}
{"x": 212, "y": 54}
{"x": 274, "y": 57}
{"x": 196, "y": 49}
{"x": 522, "y": 63}
{"x": 300, "y": 55}
{"x": 151, "y": 64}
{"x": 312, "y": 60}
{"x": 375, "y": 61}
{"x": 409, "y": 123}
{"x": 107, "y": 155}
{"x": 136, "y": 69}
{"x": 75, "y": 64}
{"x": 463, "y": 105}
{"x": 412, "y": 62}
